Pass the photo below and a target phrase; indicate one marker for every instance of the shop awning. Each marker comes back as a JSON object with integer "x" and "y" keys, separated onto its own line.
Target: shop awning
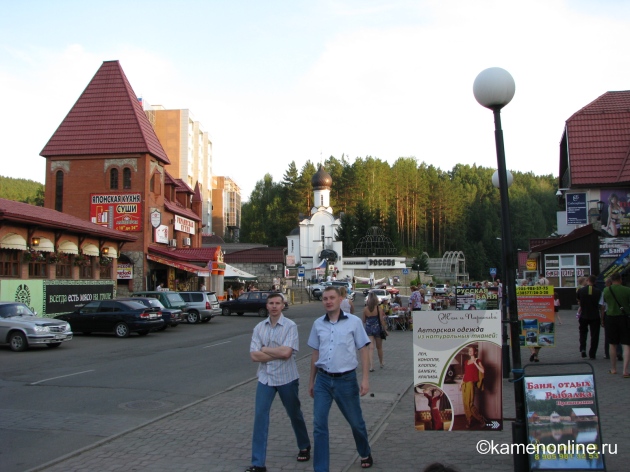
{"x": 68, "y": 247}
{"x": 197, "y": 270}
{"x": 233, "y": 274}
{"x": 13, "y": 241}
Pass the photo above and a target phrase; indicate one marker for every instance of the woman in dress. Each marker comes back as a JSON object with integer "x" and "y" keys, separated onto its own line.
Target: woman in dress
{"x": 374, "y": 321}
{"x": 433, "y": 397}
{"x": 473, "y": 369}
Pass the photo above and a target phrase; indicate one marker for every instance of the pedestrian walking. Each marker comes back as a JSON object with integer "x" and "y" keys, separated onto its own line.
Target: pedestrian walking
{"x": 274, "y": 344}
{"x": 588, "y": 298}
{"x": 375, "y": 326}
{"x": 335, "y": 339}
{"x": 617, "y": 298}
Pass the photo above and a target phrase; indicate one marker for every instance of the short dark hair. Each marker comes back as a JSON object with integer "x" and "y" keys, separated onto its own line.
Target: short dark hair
{"x": 615, "y": 277}
{"x": 275, "y": 295}
{"x": 592, "y": 278}
{"x": 332, "y": 288}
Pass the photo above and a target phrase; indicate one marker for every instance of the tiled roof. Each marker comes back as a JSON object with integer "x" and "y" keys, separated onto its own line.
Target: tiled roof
{"x": 273, "y": 255}
{"x": 599, "y": 141}
{"x": 106, "y": 119}
{"x": 180, "y": 210}
{"x": 23, "y": 213}
{"x": 197, "y": 254}
{"x": 577, "y": 233}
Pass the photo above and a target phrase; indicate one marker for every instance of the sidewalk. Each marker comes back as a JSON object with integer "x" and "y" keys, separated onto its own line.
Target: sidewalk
{"x": 214, "y": 434}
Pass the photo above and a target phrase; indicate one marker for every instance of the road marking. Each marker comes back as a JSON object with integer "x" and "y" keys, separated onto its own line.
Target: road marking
{"x": 61, "y": 377}
{"x": 217, "y": 344}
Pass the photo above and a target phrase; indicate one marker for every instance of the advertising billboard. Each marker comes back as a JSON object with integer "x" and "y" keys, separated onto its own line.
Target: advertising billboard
{"x": 121, "y": 211}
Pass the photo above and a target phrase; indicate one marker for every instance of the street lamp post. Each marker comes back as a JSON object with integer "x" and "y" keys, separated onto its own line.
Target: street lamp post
{"x": 494, "y": 88}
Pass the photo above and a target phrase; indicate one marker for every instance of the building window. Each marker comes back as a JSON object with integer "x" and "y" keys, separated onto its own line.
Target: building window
{"x": 126, "y": 178}
{"x": 321, "y": 200}
{"x": 323, "y": 232}
{"x": 113, "y": 179}
{"x": 564, "y": 270}
{"x": 292, "y": 246}
{"x": 63, "y": 268}
{"x": 38, "y": 269}
{"x": 9, "y": 263}
{"x": 106, "y": 271}
{"x": 85, "y": 271}
{"x": 59, "y": 191}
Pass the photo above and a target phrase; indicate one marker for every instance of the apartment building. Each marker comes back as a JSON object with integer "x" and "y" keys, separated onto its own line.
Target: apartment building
{"x": 189, "y": 148}
{"x": 226, "y": 208}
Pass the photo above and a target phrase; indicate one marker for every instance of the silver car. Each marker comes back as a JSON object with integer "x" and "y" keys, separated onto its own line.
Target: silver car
{"x": 21, "y": 328}
{"x": 202, "y": 306}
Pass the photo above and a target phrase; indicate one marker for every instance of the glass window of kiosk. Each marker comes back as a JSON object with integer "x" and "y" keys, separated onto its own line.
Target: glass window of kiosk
{"x": 564, "y": 270}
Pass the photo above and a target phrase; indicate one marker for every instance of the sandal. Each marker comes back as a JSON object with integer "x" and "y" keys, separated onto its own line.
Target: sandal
{"x": 626, "y": 376}
{"x": 256, "y": 468}
{"x": 367, "y": 462}
{"x": 611, "y": 372}
{"x": 304, "y": 454}
{"x": 371, "y": 370}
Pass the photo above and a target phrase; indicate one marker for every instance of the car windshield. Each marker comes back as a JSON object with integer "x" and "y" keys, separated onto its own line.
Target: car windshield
{"x": 175, "y": 297}
{"x": 15, "y": 309}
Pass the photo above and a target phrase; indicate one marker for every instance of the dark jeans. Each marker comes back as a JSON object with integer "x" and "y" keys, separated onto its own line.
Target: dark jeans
{"x": 594, "y": 326}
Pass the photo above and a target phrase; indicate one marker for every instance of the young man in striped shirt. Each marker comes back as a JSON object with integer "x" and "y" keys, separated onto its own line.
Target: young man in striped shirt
{"x": 274, "y": 344}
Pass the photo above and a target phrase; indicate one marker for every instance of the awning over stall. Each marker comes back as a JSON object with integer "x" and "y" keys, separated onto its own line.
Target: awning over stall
{"x": 233, "y": 274}
{"x": 195, "y": 269}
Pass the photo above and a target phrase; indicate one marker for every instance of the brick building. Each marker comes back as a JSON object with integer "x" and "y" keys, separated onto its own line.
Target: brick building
{"x": 105, "y": 164}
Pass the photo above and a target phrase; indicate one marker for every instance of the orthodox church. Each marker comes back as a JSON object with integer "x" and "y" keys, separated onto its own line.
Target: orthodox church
{"x": 313, "y": 245}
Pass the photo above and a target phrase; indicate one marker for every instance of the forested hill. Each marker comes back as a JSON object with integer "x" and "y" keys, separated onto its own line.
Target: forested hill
{"x": 22, "y": 190}
{"x": 420, "y": 207}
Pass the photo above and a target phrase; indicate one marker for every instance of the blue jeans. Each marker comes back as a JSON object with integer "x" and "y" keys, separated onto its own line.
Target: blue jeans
{"x": 345, "y": 391}
{"x": 289, "y": 395}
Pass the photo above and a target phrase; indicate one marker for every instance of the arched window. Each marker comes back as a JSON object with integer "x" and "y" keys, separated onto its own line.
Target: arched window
{"x": 323, "y": 231}
{"x": 59, "y": 190}
{"x": 126, "y": 178}
{"x": 292, "y": 246}
{"x": 321, "y": 200}
{"x": 113, "y": 179}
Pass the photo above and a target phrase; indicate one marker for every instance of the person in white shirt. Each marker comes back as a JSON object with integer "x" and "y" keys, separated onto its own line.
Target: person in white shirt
{"x": 274, "y": 344}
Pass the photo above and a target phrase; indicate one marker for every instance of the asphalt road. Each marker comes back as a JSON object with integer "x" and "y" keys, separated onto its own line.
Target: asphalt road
{"x": 53, "y": 402}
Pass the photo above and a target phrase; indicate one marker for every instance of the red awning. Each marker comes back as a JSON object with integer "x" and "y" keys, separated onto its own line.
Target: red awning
{"x": 197, "y": 270}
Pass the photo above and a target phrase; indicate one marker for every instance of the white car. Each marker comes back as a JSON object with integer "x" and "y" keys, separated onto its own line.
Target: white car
{"x": 440, "y": 289}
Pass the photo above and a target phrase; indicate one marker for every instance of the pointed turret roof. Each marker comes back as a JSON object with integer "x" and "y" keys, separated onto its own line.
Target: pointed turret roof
{"x": 106, "y": 119}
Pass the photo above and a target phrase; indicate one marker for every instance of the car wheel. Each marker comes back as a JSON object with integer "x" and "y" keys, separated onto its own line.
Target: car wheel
{"x": 121, "y": 330}
{"x": 53, "y": 345}
{"x": 18, "y": 342}
{"x": 226, "y": 311}
{"x": 143, "y": 333}
{"x": 262, "y": 312}
{"x": 193, "y": 317}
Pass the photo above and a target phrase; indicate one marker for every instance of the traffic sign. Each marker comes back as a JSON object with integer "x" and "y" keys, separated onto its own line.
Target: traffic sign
{"x": 301, "y": 271}
{"x": 493, "y": 271}
{"x": 405, "y": 271}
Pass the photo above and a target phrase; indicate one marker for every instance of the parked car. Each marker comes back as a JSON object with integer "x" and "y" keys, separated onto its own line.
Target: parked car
{"x": 202, "y": 306}
{"x": 248, "y": 302}
{"x": 171, "y": 300}
{"x": 20, "y": 328}
{"x": 389, "y": 289}
{"x": 118, "y": 316}
{"x": 440, "y": 289}
{"x": 318, "y": 289}
{"x": 171, "y": 316}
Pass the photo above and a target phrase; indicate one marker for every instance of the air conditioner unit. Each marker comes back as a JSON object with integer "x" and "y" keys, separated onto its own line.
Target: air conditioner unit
{"x": 186, "y": 242}
{"x": 273, "y": 267}
{"x": 172, "y": 242}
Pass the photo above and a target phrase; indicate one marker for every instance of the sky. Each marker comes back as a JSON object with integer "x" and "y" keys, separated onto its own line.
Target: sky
{"x": 277, "y": 81}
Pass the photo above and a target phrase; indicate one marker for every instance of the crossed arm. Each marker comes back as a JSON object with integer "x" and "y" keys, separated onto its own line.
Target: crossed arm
{"x": 267, "y": 354}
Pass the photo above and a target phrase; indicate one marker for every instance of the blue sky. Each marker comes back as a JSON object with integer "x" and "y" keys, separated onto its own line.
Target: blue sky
{"x": 276, "y": 81}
